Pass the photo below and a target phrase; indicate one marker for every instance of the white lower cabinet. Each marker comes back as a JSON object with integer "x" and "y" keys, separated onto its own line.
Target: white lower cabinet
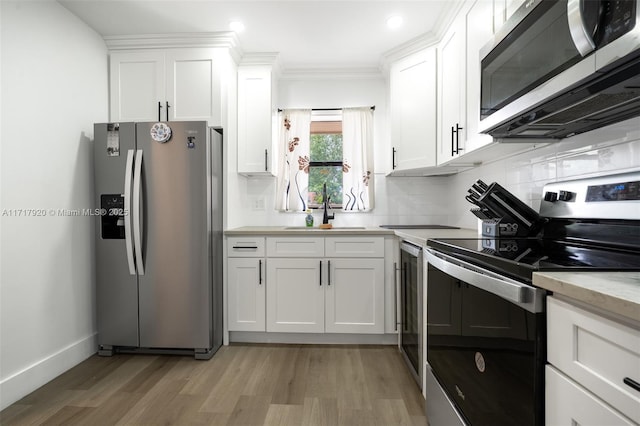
{"x": 600, "y": 358}
{"x": 310, "y": 292}
{"x": 354, "y": 296}
{"x": 306, "y": 284}
{"x": 246, "y": 284}
{"x": 567, "y": 403}
{"x": 295, "y": 296}
{"x": 246, "y": 294}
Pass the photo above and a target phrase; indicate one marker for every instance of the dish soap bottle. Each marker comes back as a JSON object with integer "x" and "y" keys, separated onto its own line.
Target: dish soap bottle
{"x": 308, "y": 220}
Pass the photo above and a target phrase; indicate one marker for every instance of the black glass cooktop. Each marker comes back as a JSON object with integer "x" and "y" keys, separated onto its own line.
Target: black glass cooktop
{"x": 520, "y": 257}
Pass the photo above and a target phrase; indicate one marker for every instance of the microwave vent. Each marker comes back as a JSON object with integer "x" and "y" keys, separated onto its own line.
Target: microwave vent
{"x": 590, "y": 107}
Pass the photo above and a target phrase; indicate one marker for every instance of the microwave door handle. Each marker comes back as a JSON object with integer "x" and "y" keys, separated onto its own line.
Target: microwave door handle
{"x": 580, "y": 34}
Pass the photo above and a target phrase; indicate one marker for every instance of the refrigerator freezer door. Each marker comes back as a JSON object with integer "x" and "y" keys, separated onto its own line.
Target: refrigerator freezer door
{"x": 116, "y": 287}
{"x": 175, "y": 290}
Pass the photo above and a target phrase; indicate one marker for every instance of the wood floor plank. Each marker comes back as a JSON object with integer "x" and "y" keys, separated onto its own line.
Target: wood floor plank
{"x": 284, "y": 415}
{"x": 226, "y": 391}
{"x": 120, "y": 371}
{"x": 69, "y": 415}
{"x": 252, "y": 384}
{"x": 320, "y": 412}
{"x": 352, "y": 390}
{"x": 250, "y": 411}
{"x": 392, "y": 412}
{"x": 322, "y": 373}
{"x": 292, "y": 378}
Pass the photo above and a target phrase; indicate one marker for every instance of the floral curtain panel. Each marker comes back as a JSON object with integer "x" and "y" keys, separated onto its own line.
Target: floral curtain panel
{"x": 357, "y": 150}
{"x": 293, "y": 168}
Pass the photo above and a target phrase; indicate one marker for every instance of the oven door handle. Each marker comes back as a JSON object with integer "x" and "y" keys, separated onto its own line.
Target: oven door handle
{"x": 526, "y": 296}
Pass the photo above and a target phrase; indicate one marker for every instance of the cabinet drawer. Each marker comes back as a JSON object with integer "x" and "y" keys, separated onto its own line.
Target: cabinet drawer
{"x": 354, "y": 247}
{"x": 245, "y": 247}
{"x": 295, "y": 247}
{"x": 596, "y": 352}
{"x": 566, "y": 403}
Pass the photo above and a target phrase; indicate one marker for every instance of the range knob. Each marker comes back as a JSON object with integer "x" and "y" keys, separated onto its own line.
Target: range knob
{"x": 551, "y": 196}
{"x": 566, "y": 195}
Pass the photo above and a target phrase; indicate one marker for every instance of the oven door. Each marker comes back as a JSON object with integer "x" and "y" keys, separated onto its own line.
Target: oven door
{"x": 411, "y": 309}
{"x": 485, "y": 346}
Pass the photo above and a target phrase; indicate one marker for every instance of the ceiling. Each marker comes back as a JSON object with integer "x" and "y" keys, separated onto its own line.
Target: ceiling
{"x": 305, "y": 33}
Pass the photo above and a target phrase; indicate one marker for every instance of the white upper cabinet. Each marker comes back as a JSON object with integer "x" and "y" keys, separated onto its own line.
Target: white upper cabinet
{"x": 479, "y": 30}
{"x": 451, "y": 93}
{"x": 137, "y": 85}
{"x": 177, "y": 77}
{"x": 459, "y": 85}
{"x": 257, "y": 114}
{"x": 192, "y": 92}
{"x": 413, "y": 111}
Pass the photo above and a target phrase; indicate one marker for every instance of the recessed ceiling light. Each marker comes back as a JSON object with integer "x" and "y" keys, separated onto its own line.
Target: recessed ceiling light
{"x": 394, "y": 22}
{"x": 236, "y": 26}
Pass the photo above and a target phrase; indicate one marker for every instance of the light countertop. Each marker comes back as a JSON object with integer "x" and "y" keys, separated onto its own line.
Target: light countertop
{"x": 420, "y": 236}
{"x": 415, "y": 236}
{"x": 617, "y": 292}
{"x": 301, "y": 230}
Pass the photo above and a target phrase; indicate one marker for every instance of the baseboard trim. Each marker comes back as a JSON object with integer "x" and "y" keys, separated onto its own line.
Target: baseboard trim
{"x": 313, "y": 338}
{"x": 31, "y": 378}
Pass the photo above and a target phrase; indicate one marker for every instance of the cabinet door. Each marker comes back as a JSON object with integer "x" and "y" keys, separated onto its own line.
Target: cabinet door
{"x": 246, "y": 294}
{"x": 566, "y": 403}
{"x": 137, "y": 84}
{"x": 413, "y": 111}
{"x": 255, "y": 119}
{"x": 354, "y": 296}
{"x": 452, "y": 86}
{"x": 479, "y": 30}
{"x": 295, "y": 295}
{"x": 596, "y": 352}
{"x": 190, "y": 85}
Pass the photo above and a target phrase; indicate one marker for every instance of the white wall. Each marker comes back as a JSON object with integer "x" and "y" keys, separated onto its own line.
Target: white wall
{"x": 54, "y": 87}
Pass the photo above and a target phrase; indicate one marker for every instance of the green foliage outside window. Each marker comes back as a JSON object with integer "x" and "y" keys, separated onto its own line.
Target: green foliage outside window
{"x": 325, "y": 167}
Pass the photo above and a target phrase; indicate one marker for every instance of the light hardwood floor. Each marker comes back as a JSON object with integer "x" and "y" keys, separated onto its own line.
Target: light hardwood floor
{"x": 241, "y": 385}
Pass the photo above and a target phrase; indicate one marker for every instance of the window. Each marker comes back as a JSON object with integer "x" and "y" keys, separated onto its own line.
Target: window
{"x": 325, "y": 160}
{"x": 325, "y": 147}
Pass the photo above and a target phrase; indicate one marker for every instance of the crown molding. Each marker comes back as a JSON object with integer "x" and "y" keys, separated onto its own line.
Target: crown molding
{"x": 225, "y": 39}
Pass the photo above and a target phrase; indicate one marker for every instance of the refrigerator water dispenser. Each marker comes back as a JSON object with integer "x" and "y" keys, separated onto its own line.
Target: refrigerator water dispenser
{"x": 112, "y": 220}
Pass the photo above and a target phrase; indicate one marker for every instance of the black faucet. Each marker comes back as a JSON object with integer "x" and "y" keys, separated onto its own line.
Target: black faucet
{"x": 325, "y": 202}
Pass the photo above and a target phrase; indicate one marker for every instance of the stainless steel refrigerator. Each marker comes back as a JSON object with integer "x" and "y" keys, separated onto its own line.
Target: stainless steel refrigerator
{"x": 159, "y": 237}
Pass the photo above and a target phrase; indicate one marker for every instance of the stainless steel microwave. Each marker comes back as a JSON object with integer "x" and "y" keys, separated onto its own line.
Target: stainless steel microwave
{"x": 561, "y": 67}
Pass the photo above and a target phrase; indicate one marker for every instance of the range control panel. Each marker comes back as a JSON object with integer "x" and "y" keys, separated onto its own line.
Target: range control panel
{"x": 614, "y": 191}
{"x": 604, "y": 197}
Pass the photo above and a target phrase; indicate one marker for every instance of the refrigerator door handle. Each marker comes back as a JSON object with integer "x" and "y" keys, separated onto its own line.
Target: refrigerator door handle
{"x": 128, "y": 171}
{"x": 136, "y": 212}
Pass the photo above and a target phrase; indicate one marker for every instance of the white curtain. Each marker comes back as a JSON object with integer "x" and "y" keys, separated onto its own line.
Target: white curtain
{"x": 357, "y": 150}
{"x": 293, "y": 164}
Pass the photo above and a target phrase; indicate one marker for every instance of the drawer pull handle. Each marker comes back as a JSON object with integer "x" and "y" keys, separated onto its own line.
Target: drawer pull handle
{"x": 632, "y": 383}
{"x": 246, "y": 247}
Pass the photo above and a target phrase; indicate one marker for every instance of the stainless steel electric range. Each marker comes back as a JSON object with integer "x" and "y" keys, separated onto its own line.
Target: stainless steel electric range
{"x": 486, "y": 327}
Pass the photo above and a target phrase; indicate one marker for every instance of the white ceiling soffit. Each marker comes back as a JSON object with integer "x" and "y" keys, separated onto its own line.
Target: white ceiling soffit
{"x": 307, "y": 34}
